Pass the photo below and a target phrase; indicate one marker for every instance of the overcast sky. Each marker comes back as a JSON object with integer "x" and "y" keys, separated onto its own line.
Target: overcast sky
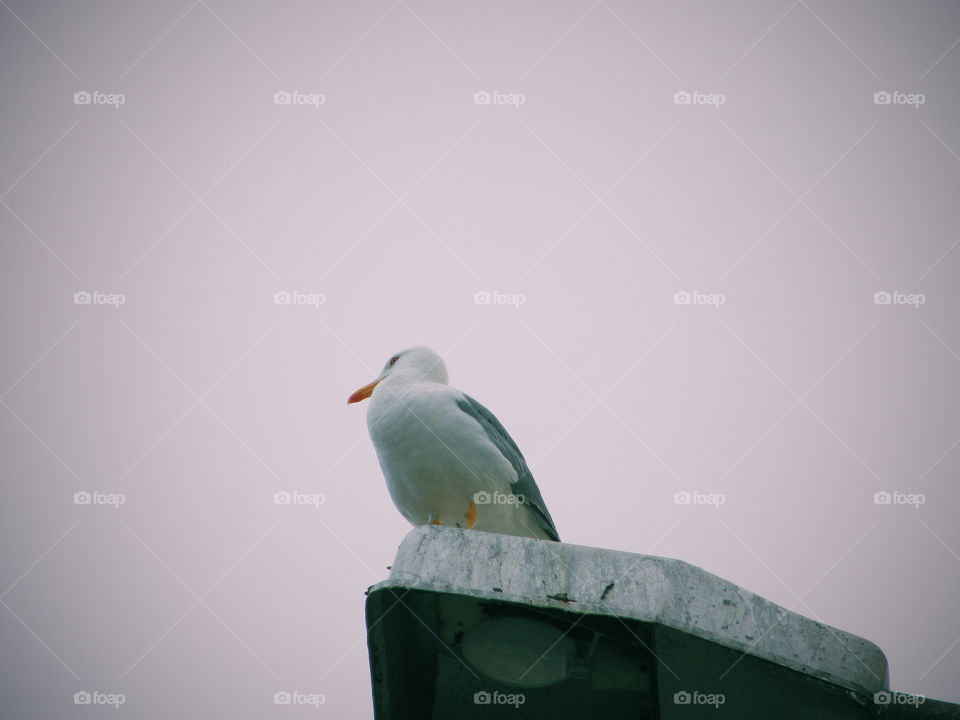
{"x": 720, "y": 246}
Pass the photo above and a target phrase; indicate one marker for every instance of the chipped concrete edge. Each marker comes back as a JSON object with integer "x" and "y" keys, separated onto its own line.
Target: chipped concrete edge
{"x": 672, "y": 593}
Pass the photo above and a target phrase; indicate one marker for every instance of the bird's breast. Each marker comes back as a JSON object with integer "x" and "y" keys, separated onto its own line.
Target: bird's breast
{"x": 433, "y": 456}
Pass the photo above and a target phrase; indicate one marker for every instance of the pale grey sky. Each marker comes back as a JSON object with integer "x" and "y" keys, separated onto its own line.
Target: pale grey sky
{"x": 593, "y": 165}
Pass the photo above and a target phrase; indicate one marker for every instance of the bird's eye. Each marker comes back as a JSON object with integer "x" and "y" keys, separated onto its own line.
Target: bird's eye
{"x": 393, "y": 360}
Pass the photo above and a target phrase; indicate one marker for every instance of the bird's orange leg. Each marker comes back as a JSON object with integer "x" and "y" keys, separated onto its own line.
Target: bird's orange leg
{"x": 471, "y": 514}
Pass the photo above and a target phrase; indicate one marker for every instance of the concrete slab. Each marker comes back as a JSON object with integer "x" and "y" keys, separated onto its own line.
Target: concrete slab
{"x": 698, "y": 645}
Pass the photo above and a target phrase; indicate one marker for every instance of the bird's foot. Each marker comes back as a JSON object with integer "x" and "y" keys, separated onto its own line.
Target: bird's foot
{"x": 434, "y": 520}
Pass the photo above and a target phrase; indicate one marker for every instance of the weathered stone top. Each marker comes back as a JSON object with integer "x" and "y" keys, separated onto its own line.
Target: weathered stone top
{"x": 672, "y": 593}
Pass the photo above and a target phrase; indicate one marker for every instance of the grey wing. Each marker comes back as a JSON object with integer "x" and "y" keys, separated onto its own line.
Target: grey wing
{"x": 525, "y": 484}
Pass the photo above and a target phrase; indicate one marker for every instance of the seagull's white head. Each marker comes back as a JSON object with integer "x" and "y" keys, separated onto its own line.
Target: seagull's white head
{"x": 416, "y": 364}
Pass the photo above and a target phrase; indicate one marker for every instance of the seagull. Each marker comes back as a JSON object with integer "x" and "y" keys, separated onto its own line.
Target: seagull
{"x": 447, "y": 459}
